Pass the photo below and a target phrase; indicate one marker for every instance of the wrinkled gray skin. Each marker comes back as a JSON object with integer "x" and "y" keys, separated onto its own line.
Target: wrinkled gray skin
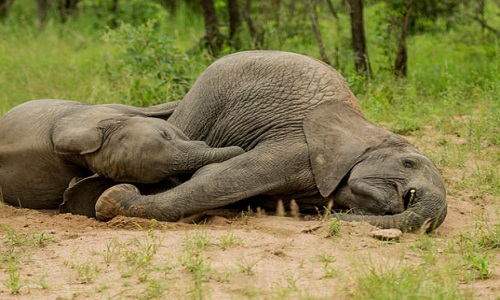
{"x": 304, "y": 137}
{"x": 45, "y": 143}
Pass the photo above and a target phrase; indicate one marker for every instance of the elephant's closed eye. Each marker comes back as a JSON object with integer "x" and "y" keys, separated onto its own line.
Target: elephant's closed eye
{"x": 166, "y": 135}
{"x": 410, "y": 164}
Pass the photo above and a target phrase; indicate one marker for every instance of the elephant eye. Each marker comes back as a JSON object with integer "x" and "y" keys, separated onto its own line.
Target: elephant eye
{"x": 410, "y": 164}
{"x": 165, "y": 135}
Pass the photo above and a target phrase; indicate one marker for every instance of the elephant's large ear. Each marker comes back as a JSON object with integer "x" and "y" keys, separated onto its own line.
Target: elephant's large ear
{"x": 337, "y": 136}
{"x": 80, "y": 197}
{"x": 78, "y": 133}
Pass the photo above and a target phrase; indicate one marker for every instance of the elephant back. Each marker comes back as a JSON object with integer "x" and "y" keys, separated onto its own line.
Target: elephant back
{"x": 249, "y": 97}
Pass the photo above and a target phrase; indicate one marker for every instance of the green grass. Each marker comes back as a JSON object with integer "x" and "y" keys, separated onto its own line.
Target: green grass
{"x": 229, "y": 239}
{"x": 15, "y": 248}
{"x": 406, "y": 282}
{"x": 86, "y": 272}
{"x": 14, "y": 283}
{"x": 196, "y": 262}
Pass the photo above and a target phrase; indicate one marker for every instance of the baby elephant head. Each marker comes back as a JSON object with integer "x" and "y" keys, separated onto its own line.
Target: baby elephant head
{"x": 372, "y": 172}
{"x": 133, "y": 148}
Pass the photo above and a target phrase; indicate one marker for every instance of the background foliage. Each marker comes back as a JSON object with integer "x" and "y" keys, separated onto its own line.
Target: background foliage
{"x": 147, "y": 52}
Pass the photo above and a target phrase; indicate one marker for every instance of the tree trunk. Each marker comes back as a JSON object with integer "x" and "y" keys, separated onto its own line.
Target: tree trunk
{"x": 234, "y": 22}
{"x": 400, "y": 66}
{"x": 276, "y": 7}
{"x": 67, "y": 8}
{"x": 313, "y": 15}
{"x": 213, "y": 37}
{"x": 331, "y": 8}
{"x": 42, "y": 7}
{"x": 479, "y": 8}
{"x": 4, "y": 8}
{"x": 257, "y": 38}
{"x": 358, "y": 38}
{"x": 171, "y": 6}
{"x": 114, "y": 13}
{"x": 338, "y": 30}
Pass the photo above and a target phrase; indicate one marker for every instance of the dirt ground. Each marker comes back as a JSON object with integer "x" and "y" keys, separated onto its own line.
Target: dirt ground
{"x": 240, "y": 256}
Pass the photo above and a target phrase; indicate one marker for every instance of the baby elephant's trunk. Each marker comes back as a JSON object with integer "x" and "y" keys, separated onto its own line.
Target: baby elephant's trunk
{"x": 197, "y": 158}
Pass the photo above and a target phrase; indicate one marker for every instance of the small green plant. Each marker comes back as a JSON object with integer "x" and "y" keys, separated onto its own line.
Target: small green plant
{"x": 284, "y": 290}
{"x": 195, "y": 263}
{"x": 334, "y": 227}
{"x": 223, "y": 277}
{"x": 14, "y": 283}
{"x": 136, "y": 257}
{"x": 13, "y": 238}
{"x": 248, "y": 267}
{"x": 329, "y": 271}
{"x": 8, "y": 254}
{"x": 229, "y": 240}
{"x": 478, "y": 265}
{"x": 102, "y": 287}
{"x": 42, "y": 281}
{"x": 111, "y": 250}
{"x": 202, "y": 240}
{"x": 42, "y": 239}
{"x": 86, "y": 272}
{"x": 326, "y": 259}
{"x": 475, "y": 247}
{"x": 194, "y": 260}
{"x": 198, "y": 242}
{"x": 148, "y": 247}
{"x": 16, "y": 239}
{"x": 154, "y": 289}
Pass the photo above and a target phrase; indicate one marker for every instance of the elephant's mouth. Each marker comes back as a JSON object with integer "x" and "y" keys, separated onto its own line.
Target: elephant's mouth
{"x": 409, "y": 197}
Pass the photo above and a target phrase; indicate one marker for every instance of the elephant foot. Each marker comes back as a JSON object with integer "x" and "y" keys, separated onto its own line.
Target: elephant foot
{"x": 113, "y": 202}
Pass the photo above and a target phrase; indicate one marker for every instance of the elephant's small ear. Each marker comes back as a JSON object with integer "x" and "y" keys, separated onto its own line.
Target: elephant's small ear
{"x": 80, "y": 197}
{"x": 337, "y": 137}
{"x": 160, "y": 111}
{"x": 76, "y": 135}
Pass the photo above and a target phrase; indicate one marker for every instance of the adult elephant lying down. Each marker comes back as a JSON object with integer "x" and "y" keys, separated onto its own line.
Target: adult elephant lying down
{"x": 305, "y": 138}
{"x": 46, "y": 143}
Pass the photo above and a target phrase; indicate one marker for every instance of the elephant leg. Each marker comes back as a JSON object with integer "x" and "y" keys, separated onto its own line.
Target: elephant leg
{"x": 259, "y": 171}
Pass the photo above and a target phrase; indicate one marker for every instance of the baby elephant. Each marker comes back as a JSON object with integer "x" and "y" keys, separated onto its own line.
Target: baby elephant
{"x": 46, "y": 143}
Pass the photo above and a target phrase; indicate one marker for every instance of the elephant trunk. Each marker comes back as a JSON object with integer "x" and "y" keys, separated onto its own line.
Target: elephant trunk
{"x": 198, "y": 157}
{"x": 426, "y": 213}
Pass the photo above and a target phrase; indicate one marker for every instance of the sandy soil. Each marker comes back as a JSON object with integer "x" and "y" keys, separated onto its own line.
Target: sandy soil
{"x": 231, "y": 255}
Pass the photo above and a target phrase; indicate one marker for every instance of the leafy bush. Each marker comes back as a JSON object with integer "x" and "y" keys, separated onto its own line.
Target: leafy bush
{"x": 132, "y": 11}
{"x": 145, "y": 65}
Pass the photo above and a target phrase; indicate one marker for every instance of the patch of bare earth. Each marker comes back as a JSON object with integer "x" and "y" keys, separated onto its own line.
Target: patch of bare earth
{"x": 227, "y": 257}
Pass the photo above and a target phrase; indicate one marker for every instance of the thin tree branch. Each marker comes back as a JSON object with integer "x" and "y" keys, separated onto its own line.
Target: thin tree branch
{"x": 483, "y": 24}
{"x": 313, "y": 15}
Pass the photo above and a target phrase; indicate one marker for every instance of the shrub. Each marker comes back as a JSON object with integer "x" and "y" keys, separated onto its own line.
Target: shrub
{"x": 132, "y": 11}
{"x": 145, "y": 65}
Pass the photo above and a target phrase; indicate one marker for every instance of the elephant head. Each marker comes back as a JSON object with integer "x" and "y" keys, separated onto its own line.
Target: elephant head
{"x": 372, "y": 172}
{"x": 132, "y": 148}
